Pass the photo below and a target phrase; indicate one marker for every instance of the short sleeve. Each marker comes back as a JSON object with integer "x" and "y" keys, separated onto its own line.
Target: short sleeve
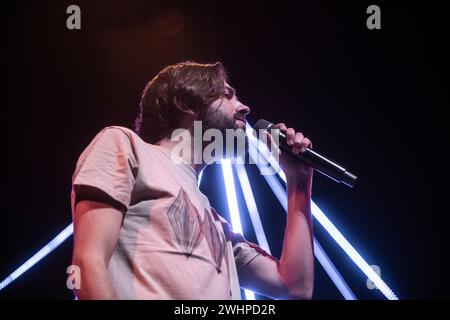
{"x": 244, "y": 251}
{"x": 106, "y": 169}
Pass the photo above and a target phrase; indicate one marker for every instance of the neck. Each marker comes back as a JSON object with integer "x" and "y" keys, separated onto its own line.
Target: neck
{"x": 186, "y": 150}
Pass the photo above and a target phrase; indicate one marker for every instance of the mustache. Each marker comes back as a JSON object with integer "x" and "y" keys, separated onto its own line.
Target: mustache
{"x": 241, "y": 118}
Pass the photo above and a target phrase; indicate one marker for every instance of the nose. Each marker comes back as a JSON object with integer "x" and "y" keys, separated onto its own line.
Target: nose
{"x": 243, "y": 109}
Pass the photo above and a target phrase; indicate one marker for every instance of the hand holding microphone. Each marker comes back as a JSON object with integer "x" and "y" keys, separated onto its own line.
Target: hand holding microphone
{"x": 296, "y": 143}
{"x": 306, "y": 154}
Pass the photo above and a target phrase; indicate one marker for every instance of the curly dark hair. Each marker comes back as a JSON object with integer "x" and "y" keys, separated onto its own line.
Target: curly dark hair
{"x": 176, "y": 90}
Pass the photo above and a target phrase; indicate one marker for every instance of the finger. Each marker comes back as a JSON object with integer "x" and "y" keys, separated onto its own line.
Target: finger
{"x": 290, "y": 135}
{"x": 270, "y": 143}
{"x": 281, "y": 126}
{"x": 306, "y": 143}
{"x": 298, "y": 139}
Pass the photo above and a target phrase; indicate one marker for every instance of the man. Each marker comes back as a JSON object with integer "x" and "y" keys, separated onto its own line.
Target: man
{"x": 143, "y": 229}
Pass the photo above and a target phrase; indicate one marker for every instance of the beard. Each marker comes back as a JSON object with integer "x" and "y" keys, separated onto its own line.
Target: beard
{"x": 216, "y": 119}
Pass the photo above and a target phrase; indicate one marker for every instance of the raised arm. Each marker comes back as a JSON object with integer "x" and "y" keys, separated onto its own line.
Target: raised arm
{"x": 292, "y": 277}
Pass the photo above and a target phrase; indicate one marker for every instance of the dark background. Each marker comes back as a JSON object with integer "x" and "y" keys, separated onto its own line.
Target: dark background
{"x": 371, "y": 99}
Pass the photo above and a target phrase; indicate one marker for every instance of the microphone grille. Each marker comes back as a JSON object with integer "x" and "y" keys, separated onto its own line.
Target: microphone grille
{"x": 262, "y": 124}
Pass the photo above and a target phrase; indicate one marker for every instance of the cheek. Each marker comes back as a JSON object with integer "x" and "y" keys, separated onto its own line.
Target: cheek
{"x": 228, "y": 108}
{"x": 216, "y": 104}
{"x": 221, "y": 109}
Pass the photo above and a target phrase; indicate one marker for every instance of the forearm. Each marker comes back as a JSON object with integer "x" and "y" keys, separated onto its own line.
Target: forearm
{"x": 297, "y": 258}
{"x": 95, "y": 281}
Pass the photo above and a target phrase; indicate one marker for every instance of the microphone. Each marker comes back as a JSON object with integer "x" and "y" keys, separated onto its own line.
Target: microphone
{"x": 315, "y": 160}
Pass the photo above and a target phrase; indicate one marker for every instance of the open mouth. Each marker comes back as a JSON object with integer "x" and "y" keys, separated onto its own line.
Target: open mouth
{"x": 242, "y": 120}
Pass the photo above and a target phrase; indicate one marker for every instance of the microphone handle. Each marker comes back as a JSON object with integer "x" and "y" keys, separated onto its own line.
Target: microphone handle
{"x": 321, "y": 164}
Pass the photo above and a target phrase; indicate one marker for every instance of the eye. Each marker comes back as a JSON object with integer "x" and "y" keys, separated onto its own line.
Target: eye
{"x": 228, "y": 94}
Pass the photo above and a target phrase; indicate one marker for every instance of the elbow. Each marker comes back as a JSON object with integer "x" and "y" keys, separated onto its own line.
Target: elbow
{"x": 305, "y": 293}
{"x": 86, "y": 276}
{"x": 302, "y": 290}
{"x": 89, "y": 263}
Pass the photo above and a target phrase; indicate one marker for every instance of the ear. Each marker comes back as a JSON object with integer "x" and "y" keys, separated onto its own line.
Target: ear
{"x": 188, "y": 118}
{"x": 195, "y": 115}
{"x": 191, "y": 113}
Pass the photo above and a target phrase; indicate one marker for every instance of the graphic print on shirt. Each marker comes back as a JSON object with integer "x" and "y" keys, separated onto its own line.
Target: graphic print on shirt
{"x": 186, "y": 222}
{"x": 216, "y": 241}
{"x": 189, "y": 229}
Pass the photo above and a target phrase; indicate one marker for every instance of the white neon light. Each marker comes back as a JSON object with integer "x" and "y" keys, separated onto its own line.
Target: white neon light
{"x": 200, "y": 176}
{"x": 332, "y": 272}
{"x": 252, "y": 208}
{"x": 329, "y": 267}
{"x": 320, "y": 254}
{"x": 280, "y": 194}
{"x": 231, "y": 195}
{"x": 230, "y": 191}
{"x": 352, "y": 253}
{"x": 327, "y": 224}
{"x": 49, "y": 247}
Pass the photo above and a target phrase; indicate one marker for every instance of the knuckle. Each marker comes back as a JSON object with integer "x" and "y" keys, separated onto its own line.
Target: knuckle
{"x": 299, "y": 137}
{"x": 281, "y": 126}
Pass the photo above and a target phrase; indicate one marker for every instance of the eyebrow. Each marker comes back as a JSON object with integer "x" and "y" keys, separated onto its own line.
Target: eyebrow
{"x": 231, "y": 89}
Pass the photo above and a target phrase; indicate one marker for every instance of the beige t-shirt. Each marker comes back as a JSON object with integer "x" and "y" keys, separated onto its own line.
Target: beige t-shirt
{"x": 172, "y": 243}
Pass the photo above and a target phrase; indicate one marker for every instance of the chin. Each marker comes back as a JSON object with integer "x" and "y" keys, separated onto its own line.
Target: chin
{"x": 239, "y": 125}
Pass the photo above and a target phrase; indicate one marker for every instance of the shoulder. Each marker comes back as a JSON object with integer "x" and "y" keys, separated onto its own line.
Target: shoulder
{"x": 117, "y": 136}
{"x": 110, "y": 142}
{"x": 118, "y": 139}
{"x": 118, "y": 132}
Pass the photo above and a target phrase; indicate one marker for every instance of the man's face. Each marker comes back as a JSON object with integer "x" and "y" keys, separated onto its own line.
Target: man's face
{"x": 226, "y": 112}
